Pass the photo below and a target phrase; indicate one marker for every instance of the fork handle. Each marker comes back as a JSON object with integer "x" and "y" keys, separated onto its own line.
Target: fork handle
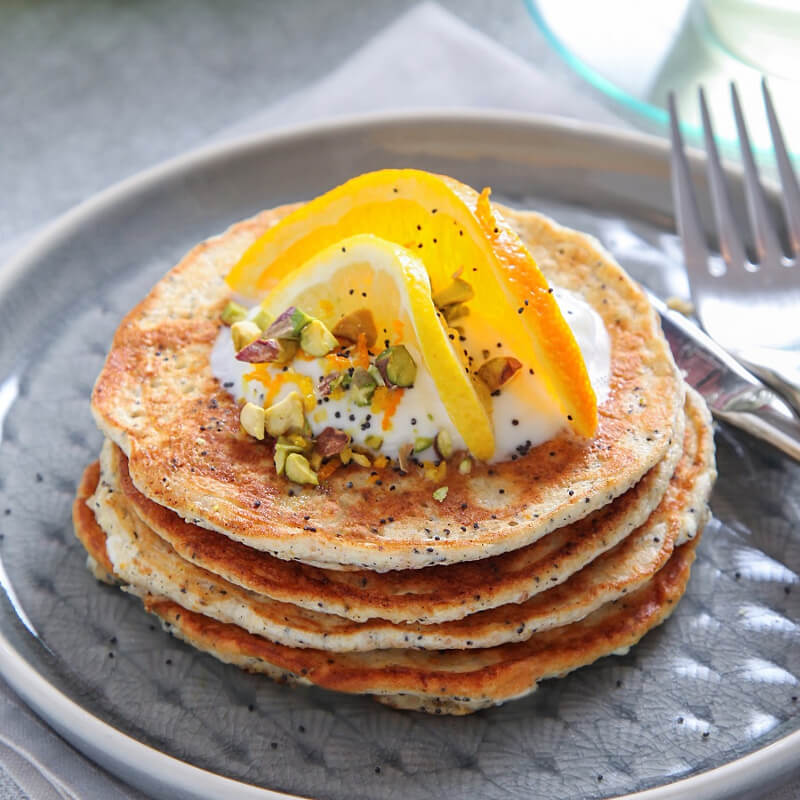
{"x": 779, "y": 369}
{"x": 768, "y": 425}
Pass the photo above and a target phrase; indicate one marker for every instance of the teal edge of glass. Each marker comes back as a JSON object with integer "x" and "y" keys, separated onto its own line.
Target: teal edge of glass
{"x": 653, "y": 113}
{"x": 610, "y": 89}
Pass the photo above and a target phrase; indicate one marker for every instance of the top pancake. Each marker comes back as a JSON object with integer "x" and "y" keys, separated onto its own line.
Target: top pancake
{"x": 158, "y": 400}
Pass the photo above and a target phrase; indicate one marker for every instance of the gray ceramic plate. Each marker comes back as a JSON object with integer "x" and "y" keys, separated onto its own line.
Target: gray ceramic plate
{"x": 708, "y": 700}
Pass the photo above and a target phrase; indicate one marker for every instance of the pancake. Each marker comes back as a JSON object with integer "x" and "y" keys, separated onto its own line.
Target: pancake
{"x": 148, "y": 564}
{"x": 158, "y": 401}
{"x": 445, "y": 681}
{"x": 432, "y": 594}
{"x": 92, "y": 537}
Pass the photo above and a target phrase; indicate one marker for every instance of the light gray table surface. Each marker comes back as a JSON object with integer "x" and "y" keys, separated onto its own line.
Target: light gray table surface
{"x": 93, "y": 91}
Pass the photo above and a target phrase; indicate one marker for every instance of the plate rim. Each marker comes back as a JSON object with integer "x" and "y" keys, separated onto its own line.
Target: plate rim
{"x": 147, "y": 767}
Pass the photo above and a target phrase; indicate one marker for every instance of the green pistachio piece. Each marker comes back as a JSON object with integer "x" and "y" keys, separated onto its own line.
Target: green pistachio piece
{"x": 444, "y": 444}
{"x": 440, "y": 494}
{"x": 455, "y": 312}
{"x": 289, "y": 324}
{"x": 498, "y": 371}
{"x": 348, "y": 328}
{"x": 459, "y": 291}
{"x": 233, "y": 312}
{"x": 396, "y": 366}
{"x": 465, "y": 466}
{"x": 288, "y": 351}
{"x": 263, "y": 318}
{"x": 284, "y": 416}
{"x": 282, "y": 451}
{"x": 303, "y": 443}
{"x": 252, "y": 420}
{"x": 315, "y": 459}
{"x": 374, "y": 442}
{"x": 361, "y": 460}
{"x": 243, "y": 333}
{"x": 422, "y": 443}
{"x": 316, "y": 339}
{"x": 376, "y": 374}
{"x": 362, "y": 387}
{"x": 298, "y": 469}
{"x": 404, "y": 456}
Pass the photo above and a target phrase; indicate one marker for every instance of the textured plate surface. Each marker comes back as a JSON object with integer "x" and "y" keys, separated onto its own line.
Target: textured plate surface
{"x": 717, "y": 682}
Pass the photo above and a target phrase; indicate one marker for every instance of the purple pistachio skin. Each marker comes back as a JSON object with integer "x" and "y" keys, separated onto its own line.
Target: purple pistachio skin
{"x": 331, "y": 442}
{"x": 260, "y": 351}
{"x": 283, "y": 326}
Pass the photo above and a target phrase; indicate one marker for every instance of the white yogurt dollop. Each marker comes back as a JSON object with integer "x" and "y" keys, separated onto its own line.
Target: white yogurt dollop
{"x": 523, "y": 414}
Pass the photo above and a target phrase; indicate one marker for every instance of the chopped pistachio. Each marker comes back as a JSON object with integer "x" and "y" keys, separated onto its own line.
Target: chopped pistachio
{"x": 328, "y": 383}
{"x": 459, "y": 291}
{"x": 282, "y": 451}
{"x": 346, "y": 455}
{"x": 299, "y": 470}
{"x": 288, "y": 350}
{"x": 252, "y": 420}
{"x": 374, "y": 442}
{"x": 332, "y": 441}
{"x": 376, "y": 375}
{"x": 243, "y": 332}
{"x": 403, "y": 456}
{"x": 284, "y": 416}
{"x": 316, "y": 339}
{"x": 396, "y": 366}
{"x": 362, "y": 386}
{"x": 455, "y": 312}
{"x": 681, "y": 304}
{"x": 443, "y": 444}
{"x": 296, "y": 440}
{"x": 422, "y": 443}
{"x": 315, "y": 460}
{"x": 498, "y": 371}
{"x": 263, "y": 318}
{"x": 361, "y": 460}
{"x": 260, "y": 351}
{"x": 233, "y": 312}
{"x": 440, "y": 494}
{"x": 465, "y": 466}
{"x": 348, "y": 328}
{"x": 289, "y": 324}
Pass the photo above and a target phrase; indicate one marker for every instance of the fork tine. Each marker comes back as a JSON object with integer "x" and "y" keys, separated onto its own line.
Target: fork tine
{"x": 730, "y": 243}
{"x": 767, "y": 245}
{"x": 791, "y": 190}
{"x": 695, "y": 252}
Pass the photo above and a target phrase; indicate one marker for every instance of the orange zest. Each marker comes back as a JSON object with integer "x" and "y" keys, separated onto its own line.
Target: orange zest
{"x": 274, "y": 381}
{"x": 361, "y": 352}
{"x": 386, "y": 401}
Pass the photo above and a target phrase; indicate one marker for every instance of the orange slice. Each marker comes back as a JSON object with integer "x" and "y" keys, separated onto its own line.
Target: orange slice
{"x": 393, "y": 283}
{"x": 451, "y": 228}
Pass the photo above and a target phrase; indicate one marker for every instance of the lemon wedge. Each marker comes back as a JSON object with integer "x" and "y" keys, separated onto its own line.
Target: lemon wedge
{"x": 365, "y": 271}
{"x": 450, "y": 228}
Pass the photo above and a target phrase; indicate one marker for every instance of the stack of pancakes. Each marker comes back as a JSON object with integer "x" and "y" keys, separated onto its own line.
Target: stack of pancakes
{"x": 527, "y": 570}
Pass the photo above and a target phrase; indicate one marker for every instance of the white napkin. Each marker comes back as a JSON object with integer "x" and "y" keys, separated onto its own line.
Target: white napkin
{"x": 426, "y": 59}
{"x": 429, "y": 58}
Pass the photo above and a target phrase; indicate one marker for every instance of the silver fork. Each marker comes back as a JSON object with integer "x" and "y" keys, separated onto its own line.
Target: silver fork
{"x": 751, "y": 308}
